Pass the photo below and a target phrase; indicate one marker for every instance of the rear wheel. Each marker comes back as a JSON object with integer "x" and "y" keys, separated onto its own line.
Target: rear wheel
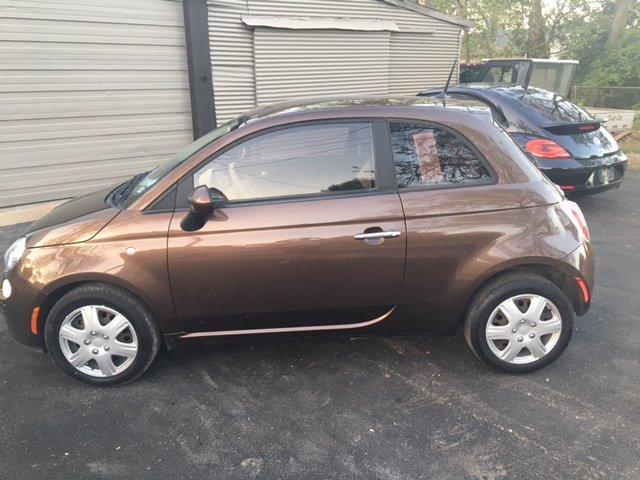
{"x": 100, "y": 334}
{"x": 519, "y": 322}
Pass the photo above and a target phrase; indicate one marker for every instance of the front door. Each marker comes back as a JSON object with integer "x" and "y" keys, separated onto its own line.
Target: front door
{"x": 308, "y": 235}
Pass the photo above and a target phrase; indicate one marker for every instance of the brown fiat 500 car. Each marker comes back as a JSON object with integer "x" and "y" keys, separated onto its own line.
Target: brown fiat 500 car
{"x": 361, "y": 216}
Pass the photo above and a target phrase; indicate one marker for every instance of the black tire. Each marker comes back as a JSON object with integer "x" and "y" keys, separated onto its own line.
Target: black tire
{"x": 487, "y": 299}
{"x": 117, "y": 299}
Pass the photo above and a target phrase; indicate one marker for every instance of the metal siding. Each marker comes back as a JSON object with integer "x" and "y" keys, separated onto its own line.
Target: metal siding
{"x": 420, "y": 61}
{"x": 409, "y": 67}
{"x": 91, "y": 92}
{"x": 231, "y": 47}
{"x": 306, "y": 63}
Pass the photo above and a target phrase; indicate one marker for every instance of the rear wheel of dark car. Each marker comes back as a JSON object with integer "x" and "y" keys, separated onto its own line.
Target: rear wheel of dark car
{"x": 102, "y": 335}
{"x": 519, "y": 322}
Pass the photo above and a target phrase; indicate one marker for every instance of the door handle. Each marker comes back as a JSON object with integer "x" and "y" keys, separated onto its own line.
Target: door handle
{"x": 377, "y": 235}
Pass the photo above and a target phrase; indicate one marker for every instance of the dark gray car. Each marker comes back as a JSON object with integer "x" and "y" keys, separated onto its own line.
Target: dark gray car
{"x": 570, "y": 146}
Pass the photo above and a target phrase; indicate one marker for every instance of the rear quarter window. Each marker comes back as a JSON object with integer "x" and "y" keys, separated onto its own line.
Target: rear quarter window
{"x": 431, "y": 156}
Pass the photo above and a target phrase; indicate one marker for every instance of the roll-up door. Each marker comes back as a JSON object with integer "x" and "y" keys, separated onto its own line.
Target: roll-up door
{"x": 91, "y": 92}
{"x": 293, "y": 63}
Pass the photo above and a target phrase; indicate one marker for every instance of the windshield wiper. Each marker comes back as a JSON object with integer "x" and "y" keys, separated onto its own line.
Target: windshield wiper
{"x": 123, "y": 191}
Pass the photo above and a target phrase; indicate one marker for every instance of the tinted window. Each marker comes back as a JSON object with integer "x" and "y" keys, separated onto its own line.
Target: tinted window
{"x": 555, "y": 77}
{"x": 295, "y": 161}
{"x": 152, "y": 177}
{"x": 501, "y": 75}
{"x": 509, "y": 74}
{"x": 550, "y": 108}
{"x": 433, "y": 156}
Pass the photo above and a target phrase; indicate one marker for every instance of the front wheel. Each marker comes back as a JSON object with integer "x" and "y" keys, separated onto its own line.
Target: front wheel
{"x": 519, "y": 322}
{"x": 101, "y": 335}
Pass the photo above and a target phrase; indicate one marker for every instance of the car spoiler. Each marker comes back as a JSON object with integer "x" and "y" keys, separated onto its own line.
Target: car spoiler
{"x": 573, "y": 128}
{"x": 496, "y": 109}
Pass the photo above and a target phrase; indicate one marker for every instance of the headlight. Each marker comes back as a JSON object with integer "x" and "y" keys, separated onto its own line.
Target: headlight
{"x": 14, "y": 253}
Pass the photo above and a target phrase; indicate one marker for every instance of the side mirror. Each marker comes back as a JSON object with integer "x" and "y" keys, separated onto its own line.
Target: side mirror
{"x": 200, "y": 202}
{"x": 200, "y": 207}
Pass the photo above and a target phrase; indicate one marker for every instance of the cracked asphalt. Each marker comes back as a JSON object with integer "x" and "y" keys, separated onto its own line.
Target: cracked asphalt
{"x": 334, "y": 408}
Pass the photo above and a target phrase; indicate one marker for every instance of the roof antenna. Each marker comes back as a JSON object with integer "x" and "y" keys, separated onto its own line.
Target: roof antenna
{"x": 443, "y": 94}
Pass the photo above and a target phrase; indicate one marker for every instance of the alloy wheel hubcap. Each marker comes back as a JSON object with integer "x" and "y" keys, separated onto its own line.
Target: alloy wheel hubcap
{"x": 523, "y": 329}
{"x": 98, "y": 341}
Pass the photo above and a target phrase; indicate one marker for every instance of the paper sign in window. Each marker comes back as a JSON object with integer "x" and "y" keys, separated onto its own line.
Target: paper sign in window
{"x": 427, "y": 152}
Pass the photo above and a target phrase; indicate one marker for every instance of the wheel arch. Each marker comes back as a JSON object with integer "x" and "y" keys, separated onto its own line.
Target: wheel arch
{"x": 548, "y": 270}
{"x": 62, "y": 286}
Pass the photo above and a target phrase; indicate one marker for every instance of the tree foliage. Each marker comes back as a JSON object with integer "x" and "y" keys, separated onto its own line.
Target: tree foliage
{"x": 570, "y": 29}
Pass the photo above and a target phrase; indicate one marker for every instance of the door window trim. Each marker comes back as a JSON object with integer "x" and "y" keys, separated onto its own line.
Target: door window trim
{"x": 384, "y": 169}
{"x": 493, "y": 175}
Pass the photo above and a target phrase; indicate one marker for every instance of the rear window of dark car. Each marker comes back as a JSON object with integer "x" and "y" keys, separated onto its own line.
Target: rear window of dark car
{"x": 552, "y": 108}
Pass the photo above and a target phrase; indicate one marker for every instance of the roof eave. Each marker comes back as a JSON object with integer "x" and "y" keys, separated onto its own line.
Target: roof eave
{"x": 430, "y": 12}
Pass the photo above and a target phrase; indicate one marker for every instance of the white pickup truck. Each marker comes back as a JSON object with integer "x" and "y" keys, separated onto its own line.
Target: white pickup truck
{"x": 614, "y": 120}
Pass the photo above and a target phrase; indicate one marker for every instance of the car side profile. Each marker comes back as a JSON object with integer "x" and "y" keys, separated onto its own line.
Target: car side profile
{"x": 361, "y": 216}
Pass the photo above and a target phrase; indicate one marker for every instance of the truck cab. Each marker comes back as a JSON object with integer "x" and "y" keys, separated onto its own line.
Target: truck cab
{"x": 552, "y": 75}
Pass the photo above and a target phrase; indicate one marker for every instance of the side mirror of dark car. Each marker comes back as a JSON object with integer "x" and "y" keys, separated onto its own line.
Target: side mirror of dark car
{"x": 200, "y": 207}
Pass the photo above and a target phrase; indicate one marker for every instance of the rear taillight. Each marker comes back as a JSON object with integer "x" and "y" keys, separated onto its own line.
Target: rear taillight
{"x": 579, "y": 218}
{"x": 545, "y": 148}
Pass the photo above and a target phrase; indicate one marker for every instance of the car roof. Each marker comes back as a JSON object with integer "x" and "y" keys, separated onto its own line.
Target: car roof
{"x": 532, "y": 60}
{"x": 504, "y": 90}
{"x": 376, "y": 103}
{"x": 523, "y": 108}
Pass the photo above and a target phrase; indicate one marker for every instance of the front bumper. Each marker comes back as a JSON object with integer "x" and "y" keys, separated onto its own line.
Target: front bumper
{"x": 585, "y": 175}
{"x": 16, "y": 310}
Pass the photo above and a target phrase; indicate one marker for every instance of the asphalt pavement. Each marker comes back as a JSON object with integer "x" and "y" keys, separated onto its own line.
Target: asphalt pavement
{"x": 334, "y": 408}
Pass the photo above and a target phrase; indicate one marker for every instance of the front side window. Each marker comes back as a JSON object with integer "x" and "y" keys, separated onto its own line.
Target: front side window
{"x": 144, "y": 182}
{"x": 300, "y": 160}
{"x": 431, "y": 156}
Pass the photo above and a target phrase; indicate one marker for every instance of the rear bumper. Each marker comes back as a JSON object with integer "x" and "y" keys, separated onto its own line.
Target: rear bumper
{"x": 581, "y": 264}
{"x": 586, "y": 175}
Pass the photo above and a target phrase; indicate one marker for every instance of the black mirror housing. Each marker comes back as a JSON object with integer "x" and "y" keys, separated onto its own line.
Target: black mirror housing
{"x": 200, "y": 207}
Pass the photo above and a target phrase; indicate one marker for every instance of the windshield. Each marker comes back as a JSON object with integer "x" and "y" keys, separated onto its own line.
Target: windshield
{"x": 148, "y": 180}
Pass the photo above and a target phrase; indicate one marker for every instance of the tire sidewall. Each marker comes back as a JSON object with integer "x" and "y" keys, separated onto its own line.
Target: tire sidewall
{"x": 147, "y": 335}
{"x": 486, "y": 308}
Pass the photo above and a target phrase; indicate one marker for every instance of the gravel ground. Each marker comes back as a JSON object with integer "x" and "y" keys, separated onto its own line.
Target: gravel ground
{"x": 379, "y": 408}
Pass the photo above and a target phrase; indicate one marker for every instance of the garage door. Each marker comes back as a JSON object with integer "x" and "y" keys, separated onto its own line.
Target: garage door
{"x": 91, "y": 92}
{"x": 301, "y": 63}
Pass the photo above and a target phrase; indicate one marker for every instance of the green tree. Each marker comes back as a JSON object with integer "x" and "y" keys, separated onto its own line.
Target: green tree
{"x": 585, "y": 39}
{"x": 619, "y": 22}
{"x": 601, "y": 34}
{"x": 494, "y": 24}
